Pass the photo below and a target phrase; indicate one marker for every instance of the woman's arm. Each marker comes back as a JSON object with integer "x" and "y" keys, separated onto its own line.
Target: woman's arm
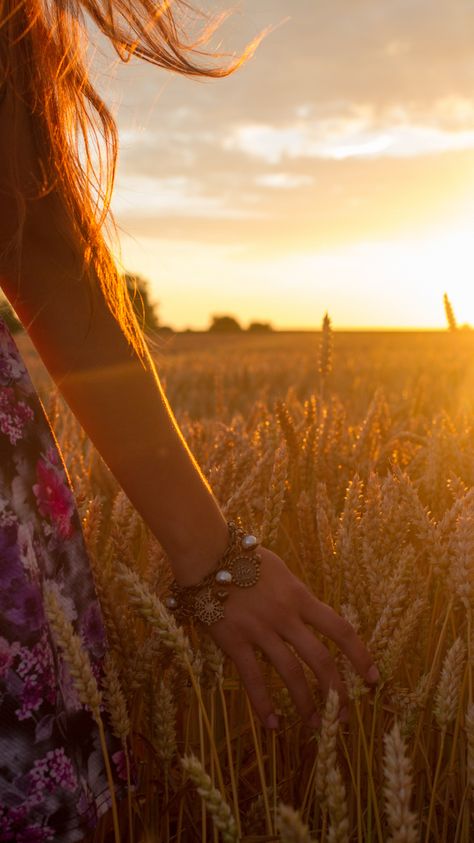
{"x": 119, "y": 403}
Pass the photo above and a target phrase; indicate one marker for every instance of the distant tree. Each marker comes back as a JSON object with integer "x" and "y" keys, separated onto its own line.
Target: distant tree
{"x": 224, "y": 324}
{"x": 9, "y": 316}
{"x": 260, "y": 327}
{"x": 138, "y": 290}
{"x": 448, "y": 309}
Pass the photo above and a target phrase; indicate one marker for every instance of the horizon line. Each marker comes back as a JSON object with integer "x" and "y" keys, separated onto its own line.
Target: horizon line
{"x": 340, "y": 328}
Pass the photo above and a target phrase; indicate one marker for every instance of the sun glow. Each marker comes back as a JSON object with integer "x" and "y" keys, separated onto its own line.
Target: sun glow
{"x": 390, "y": 283}
{"x": 272, "y": 198}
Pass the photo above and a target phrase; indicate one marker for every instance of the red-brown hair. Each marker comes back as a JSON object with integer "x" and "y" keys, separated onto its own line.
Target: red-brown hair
{"x": 42, "y": 60}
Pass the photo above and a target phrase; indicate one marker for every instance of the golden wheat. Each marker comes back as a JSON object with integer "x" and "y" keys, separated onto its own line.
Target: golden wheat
{"x": 290, "y": 825}
{"x": 219, "y": 810}
{"x": 371, "y": 503}
{"x": 398, "y": 786}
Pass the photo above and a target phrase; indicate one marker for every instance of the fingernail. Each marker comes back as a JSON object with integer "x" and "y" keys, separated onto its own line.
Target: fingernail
{"x": 272, "y": 721}
{"x": 373, "y": 675}
{"x": 315, "y": 720}
{"x": 344, "y": 714}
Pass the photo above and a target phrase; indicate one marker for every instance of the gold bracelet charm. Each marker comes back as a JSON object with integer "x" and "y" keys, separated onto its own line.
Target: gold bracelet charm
{"x": 239, "y": 565}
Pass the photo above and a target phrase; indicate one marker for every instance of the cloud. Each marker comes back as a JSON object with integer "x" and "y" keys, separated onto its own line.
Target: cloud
{"x": 351, "y": 120}
{"x": 341, "y": 139}
{"x": 348, "y": 200}
{"x": 412, "y": 54}
{"x": 283, "y": 180}
{"x": 173, "y": 196}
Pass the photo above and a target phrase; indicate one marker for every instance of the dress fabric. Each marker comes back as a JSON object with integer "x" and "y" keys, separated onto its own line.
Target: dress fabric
{"x": 53, "y": 784}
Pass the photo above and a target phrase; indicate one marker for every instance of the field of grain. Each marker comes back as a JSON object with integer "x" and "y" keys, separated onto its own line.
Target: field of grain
{"x": 351, "y": 456}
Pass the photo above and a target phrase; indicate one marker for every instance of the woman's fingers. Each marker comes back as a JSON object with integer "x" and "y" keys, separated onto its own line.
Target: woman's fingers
{"x": 326, "y": 620}
{"x": 319, "y": 659}
{"x": 252, "y": 677}
{"x": 292, "y": 674}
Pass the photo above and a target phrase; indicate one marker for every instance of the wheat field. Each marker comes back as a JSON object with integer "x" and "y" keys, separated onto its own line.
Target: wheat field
{"x": 352, "y": 457}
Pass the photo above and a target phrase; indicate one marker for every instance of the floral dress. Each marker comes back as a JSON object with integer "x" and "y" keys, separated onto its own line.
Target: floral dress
{"x": 53, "y": 784}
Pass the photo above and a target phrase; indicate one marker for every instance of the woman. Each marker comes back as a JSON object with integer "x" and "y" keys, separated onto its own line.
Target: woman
{"x": 58, "y": 274}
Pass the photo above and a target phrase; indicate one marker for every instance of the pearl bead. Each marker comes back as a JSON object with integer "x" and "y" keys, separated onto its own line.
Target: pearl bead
{"x": 248, "y": 542}
{"x": 171, "y": 602}
{"x": 223, "y": 576}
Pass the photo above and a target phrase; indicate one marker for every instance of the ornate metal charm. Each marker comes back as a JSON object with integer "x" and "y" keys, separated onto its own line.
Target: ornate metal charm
{"x": 246, "y": 570}
{"x": 239, "y": 565}
{"x": 207, "y": 608}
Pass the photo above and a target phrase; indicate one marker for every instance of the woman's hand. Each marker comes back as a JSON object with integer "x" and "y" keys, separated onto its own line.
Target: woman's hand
{"x": 274, "y": 611}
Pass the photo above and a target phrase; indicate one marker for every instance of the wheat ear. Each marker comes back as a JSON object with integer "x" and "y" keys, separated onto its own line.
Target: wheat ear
{"x": 81, "y": 671}
{"x": 327, "y": 745}
{"x": 150, "y": 607}
{"x": 290, "y": 825}
{"x": 397, "y": 768}
{"x": 337, "y": 804}
{"x": 219, "y": 810}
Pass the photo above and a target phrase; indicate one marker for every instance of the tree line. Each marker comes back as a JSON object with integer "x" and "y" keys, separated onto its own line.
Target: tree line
{"x": 147, "y": 312}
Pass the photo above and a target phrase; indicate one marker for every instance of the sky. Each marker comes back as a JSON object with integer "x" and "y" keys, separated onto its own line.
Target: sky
{"x": 333, "y": 172}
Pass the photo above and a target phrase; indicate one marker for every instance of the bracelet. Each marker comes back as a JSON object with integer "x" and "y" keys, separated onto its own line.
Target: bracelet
{"x": 239, "y": 565}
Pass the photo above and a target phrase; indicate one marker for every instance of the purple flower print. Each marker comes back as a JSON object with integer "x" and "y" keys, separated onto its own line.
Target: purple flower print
{"x": 36, "y": 669}
{"x": 35, "y": 834}
{"x": 54, "y": 497}
{"x": 26, "y": 549}
{"x": 14, "y": 415}
{"x": 20, "y": 599}
{"x": 7, "y": 517}
{"x": 27, "y": 610}
{"x": 11, "y": 367}
{"x": 53, "y": 783}
{"x": 31, "y": 699}
{"x": 93, "y": 632}
{"x": 48, "y": 774}
{"x": 8, "y": 652}
{"x": 15, "y": 827}
{"x": 11, "y": 569}
{"x": 120, "y": 764}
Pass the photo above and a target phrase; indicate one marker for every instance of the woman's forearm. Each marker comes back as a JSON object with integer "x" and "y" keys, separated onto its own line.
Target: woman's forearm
{"x": 122, "y": 407}
{"x": 124, "y": 411}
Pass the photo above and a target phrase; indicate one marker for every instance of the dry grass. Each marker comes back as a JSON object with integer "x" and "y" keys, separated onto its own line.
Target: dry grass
{"x": 362, "y": 479}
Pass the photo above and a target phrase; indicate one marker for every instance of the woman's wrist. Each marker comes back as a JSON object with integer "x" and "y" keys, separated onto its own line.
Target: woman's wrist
{"x": 199, "y": 555}
{"x": 239, "y": 565}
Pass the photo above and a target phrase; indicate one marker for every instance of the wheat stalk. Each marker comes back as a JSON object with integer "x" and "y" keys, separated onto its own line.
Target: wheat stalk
{"x": 219, "y": 810}
{"x": 276, "y": 497}
{"x": 114, "y": 699}
{"x": 469, "y": 730}
{"x": 79, "y": 665}
{"x": 150, "y": 607}
{"x": 326, "y": 759}
{"x": 164, "y": 724}
{"x": 397, "y": 769}
{"x": 337, "y": 805}
{"x": 76, "y": 656}
{"x": 290, "y": 825}
{"x": 447, "y": 693}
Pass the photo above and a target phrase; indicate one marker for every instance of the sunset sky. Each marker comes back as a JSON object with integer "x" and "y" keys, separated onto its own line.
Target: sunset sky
{"x": 334, "y": 171}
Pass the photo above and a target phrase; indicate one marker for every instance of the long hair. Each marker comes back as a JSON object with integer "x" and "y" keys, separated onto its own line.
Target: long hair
{"x": 43, "y": 64}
